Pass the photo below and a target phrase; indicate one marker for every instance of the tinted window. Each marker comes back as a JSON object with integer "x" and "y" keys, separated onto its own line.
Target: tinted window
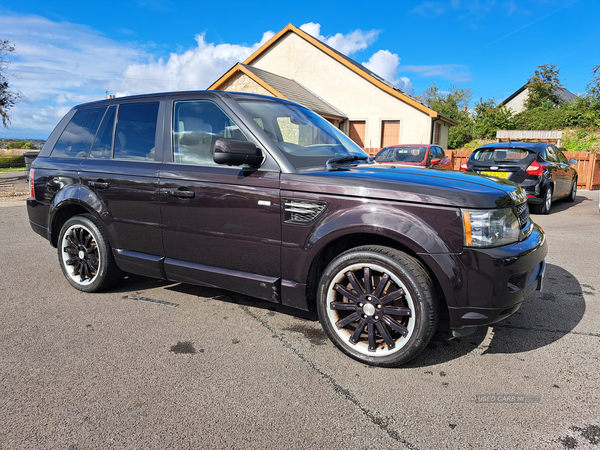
{"x": 102, "y": 147}
{"x": 196, "y": 127}
{"x": 136, "y": 131}
{"x": 76, "y": 140}
{"x": 561, "y": 157}
{"x": 550, "y": 155}
{"x": 500, "y": 154}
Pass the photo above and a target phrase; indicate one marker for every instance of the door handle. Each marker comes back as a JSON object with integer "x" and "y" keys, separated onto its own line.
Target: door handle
{"x": 99, "y": 184}
{"x": 181, "y": 193}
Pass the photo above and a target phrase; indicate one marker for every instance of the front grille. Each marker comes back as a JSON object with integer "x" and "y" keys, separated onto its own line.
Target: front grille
{"x": 523, "y": 214}
{"x": 303, "y": 211}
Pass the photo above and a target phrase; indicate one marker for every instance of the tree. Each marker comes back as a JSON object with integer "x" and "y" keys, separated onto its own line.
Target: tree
{"x": 593, "y": 88}
{"x": 491, "y": 117}
{"x": 544, "y": 87}
{"x": 454, "y": 104}
{"x": 7, "y": 96}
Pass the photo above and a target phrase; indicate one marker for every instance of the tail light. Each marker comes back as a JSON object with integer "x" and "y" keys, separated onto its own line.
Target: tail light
{"x": 536, "y": 168}
{"x": 31, "y": 184}
{"x": 463, "y": 167}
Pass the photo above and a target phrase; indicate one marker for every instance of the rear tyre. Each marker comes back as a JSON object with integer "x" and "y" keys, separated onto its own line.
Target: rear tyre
{"x": 378, "y": 305}
{"x": 573, "y": 194}
{"x": 85, "y": 255}
{"x": 544, "y": 208}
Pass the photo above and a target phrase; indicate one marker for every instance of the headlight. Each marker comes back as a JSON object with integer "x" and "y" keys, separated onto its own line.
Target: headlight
{"x": 490, "y": 228}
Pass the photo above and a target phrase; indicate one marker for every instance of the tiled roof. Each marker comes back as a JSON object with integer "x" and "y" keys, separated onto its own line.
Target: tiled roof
{"x": 294, "y": 91}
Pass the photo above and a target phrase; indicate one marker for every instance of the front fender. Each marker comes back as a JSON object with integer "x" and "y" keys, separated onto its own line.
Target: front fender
{"x": 420, "y": 228}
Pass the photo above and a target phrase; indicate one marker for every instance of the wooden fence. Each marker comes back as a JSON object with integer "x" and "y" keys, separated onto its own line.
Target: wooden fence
{"x": 588, "y": 165}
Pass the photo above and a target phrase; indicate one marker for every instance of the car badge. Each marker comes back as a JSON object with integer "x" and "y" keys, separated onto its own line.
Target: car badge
{"x": 494, "y": 167}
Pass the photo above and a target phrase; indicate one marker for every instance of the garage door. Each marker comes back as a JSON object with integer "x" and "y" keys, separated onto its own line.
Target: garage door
{"x": 390, "y": 133}
{"x": 357, "y": 132}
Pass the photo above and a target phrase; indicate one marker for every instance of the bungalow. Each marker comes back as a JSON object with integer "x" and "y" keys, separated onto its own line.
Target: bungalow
{"x": 296, "y": 66}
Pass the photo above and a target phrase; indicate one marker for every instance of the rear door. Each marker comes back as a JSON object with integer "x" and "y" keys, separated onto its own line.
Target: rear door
{"x": 221, "y": 224}
{"x": 120, "y": 176}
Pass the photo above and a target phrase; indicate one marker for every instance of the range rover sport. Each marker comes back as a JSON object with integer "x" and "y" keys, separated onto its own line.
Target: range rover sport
{"x": 263, "y": 197}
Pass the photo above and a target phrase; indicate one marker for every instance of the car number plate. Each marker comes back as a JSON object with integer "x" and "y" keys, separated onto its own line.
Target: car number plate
{"x": 496, "y": 174}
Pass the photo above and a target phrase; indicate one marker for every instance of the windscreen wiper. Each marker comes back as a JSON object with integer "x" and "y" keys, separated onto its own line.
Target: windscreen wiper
{"x": 337, "y": 160}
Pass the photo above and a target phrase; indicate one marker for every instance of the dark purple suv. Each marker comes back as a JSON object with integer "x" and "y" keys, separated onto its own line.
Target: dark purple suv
{"x": 261, "y": 196}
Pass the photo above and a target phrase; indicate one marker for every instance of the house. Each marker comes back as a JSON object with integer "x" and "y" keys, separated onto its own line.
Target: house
{"x": 516, "y": 101}
{"x": 296, "y": 66}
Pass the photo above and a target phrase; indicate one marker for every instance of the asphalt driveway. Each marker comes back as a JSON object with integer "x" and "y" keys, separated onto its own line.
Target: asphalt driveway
{"x": 151, "y": 364}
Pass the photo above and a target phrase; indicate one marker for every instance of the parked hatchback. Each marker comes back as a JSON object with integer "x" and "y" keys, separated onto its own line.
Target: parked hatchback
{"x": 541, "y": 169}
{"x": 263, "y": 197}
{"x": 414, "y": 155}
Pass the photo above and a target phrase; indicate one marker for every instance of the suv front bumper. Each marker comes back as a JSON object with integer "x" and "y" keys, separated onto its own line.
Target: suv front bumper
{"x": 490, "y": 284}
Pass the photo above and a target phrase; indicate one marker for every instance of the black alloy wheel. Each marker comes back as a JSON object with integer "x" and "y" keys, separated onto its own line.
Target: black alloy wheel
{"x": 378, "y": 305}
{"x": 85, "y": 255}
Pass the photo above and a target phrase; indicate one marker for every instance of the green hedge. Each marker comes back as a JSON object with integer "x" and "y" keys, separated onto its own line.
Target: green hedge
{"x": 12, "y": 161}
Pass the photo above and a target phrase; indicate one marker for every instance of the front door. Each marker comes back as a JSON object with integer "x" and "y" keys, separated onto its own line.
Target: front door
{"x": 221, "y": 225}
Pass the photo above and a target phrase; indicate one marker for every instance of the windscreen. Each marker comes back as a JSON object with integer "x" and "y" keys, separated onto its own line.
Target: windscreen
{"x": 307, "y": 139}
{"x": 402, "y": 154}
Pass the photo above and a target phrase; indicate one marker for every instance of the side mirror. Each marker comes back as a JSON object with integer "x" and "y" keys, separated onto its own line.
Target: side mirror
{"x": 236, "y": 153}
{"x": 573, "y": 161}
{"x": 435, "y": 161}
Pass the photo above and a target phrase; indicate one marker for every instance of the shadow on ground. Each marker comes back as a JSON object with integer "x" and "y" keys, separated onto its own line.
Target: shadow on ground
{"x": 544, "y": 318}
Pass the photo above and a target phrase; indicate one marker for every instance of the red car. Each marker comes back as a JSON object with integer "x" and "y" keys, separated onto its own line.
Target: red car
{"x": 414, "y": 155}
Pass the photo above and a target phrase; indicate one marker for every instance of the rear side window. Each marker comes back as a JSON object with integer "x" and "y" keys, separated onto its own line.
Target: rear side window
{"x": 135, "y": 133}
{"x": 102, "y": 147}
{"x": 76, "y": 140}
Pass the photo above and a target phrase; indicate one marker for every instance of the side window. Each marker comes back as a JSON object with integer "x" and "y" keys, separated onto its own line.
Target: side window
{"x": 135, "y": 133}
{"x": 197, "y": 125}
{"x": 550, "y": 155}
{"x": 76, "y": 140}
{"x": 102, "y": 147}
{"x": 561, "y": 157}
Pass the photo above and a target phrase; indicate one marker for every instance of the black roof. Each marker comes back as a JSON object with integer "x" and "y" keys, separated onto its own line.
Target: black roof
{"x": 234, "y": 95}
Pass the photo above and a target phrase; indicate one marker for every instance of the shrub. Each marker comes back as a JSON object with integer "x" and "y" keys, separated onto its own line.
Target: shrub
{"x": 12, "y": 161}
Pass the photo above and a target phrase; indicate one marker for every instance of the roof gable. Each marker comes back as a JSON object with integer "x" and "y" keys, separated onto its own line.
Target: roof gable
{"x": 349, "y": 63}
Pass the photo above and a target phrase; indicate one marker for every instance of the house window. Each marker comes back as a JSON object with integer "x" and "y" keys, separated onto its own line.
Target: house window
{"x": 436, "y": 135}
{"x": 390, "y": 133}
{"x": 357, "y": 132}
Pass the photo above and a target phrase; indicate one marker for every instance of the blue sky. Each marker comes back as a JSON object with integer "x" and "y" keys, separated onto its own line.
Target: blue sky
{"x": 69, "y": 52}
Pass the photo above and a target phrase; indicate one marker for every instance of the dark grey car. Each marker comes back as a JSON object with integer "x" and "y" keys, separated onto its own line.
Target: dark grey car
{"x": 541, "y": 169}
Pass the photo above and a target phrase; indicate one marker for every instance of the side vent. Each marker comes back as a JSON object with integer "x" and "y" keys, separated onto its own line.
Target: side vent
{"x": 303, "y": 211}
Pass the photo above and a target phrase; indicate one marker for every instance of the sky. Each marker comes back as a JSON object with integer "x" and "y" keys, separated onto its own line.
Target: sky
{"x": 72, "y": 52}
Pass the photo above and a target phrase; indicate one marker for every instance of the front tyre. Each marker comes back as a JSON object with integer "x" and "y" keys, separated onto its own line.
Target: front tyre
{"x": 85, "y": 255}
{"x": 378, "y": 305}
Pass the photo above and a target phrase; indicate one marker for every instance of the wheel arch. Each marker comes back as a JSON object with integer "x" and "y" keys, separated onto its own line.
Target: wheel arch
{"x": 341, "y": 244}
{"x": 64, "y": 212}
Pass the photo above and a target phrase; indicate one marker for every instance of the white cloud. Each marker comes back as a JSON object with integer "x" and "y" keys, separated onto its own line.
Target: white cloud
{"x": 197, "y": 68}
{"x": 344, "y": 43}
{"x": 61, "y": 64}
{"x": 386, "y": 64}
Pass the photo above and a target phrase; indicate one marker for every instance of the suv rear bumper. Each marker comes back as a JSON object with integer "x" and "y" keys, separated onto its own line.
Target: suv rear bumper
{"x": 491, "y": 284}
